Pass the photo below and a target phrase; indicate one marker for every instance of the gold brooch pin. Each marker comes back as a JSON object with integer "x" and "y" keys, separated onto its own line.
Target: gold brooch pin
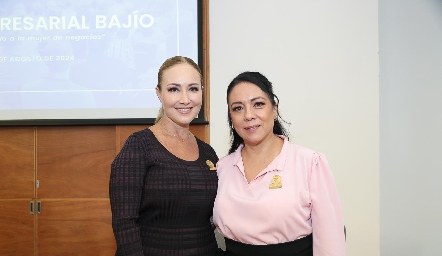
{"x": 276, "y": 182}
{"x": 211, "y": 165}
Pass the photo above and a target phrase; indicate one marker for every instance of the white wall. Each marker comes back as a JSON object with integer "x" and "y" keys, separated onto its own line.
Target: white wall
{"x": 322, "y": 57}
{"x": 411, "y": 127}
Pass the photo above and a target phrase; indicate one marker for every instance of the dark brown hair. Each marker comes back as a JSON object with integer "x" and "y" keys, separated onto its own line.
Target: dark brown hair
{"x": 265, "y": 85}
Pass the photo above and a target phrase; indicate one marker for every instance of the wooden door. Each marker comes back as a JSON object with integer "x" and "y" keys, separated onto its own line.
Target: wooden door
{"x": 16, "y": 228}
{"x": 75, "y": 227}
{"x": 17, "y": 190}
{"x": 73, "y": 170}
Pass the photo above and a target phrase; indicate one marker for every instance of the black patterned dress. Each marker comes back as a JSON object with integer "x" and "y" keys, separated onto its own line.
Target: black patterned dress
{"x": 161, "y": 204}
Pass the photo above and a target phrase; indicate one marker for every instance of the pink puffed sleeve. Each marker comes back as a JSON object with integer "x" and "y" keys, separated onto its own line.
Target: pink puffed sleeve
{"x": 326, "y": 212}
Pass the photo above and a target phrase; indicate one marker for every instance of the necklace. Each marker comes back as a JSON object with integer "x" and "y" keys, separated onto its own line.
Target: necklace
{"x": 176, "y": 136}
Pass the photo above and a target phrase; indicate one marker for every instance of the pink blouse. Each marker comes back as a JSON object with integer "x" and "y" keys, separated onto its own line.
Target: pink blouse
{"x": 294, "y": 196}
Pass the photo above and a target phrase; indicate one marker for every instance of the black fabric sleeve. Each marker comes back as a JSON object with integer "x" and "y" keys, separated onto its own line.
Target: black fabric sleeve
{"x": 125, "y": 192}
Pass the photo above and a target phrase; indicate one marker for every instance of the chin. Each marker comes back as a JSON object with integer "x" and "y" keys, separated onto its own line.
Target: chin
{"x": 184, "y": 120}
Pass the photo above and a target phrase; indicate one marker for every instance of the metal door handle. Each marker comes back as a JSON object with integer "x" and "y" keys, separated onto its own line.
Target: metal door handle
{"x": 38, "y": 207}
{"x": 31, "y": 207}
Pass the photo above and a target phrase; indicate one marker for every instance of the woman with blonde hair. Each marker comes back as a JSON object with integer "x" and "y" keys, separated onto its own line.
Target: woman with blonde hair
{"x": 162, "y": 183}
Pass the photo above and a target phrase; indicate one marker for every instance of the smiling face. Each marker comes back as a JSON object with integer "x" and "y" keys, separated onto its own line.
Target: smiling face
{"x": 252, "y": 113}
{"x": 180, "y": 93}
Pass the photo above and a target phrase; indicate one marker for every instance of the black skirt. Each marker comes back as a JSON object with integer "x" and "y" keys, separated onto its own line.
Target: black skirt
{"x": 299, "y": 247}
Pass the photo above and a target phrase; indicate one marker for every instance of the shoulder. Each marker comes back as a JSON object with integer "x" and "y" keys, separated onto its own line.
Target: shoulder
{"x": 310, "y": 162}
{"x": 203, "y": 144}
{"x": 291, "y": 149}
{"x": 144, "y": 134}
{"x": 228, "y": 160}
{"x": 304, "y": 151}
{"x": 207, "y": 150}
{"x": 141, "y": 138}
{"x": 135, "y": 147}
{"x": 308, "y": 155}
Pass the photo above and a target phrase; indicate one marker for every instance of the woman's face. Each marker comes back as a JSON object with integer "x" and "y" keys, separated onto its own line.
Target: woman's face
{"x": 252, "y": 113}
{"x": 181, "y": 93}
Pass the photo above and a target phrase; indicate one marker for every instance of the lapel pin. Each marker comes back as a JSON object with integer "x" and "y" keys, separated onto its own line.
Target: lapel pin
{"x": 211, "y": 165}
{"x": 276, "y": 182}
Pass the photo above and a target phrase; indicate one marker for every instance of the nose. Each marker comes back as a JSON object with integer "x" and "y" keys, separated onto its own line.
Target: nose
{"x": 184, "y": 98}
{"x": 248, "y": 114}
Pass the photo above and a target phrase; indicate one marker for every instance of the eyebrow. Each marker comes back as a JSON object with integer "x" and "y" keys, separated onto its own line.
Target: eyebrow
{"x": 253, "y": 99}
{"x": 175, "y": 84}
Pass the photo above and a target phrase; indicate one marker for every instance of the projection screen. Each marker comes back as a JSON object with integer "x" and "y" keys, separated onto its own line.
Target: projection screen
{"x": 90, "y": 61}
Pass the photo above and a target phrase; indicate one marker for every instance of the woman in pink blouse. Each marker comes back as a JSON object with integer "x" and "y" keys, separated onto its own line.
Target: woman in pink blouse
{"x": 274, "y": 197}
